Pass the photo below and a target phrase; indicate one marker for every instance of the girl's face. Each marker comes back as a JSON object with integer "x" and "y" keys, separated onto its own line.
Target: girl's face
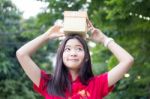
{"x": 73, "y": 54}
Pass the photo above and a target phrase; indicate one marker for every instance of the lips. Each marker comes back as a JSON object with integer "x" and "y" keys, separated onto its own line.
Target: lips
{"x": 73, "y": 60}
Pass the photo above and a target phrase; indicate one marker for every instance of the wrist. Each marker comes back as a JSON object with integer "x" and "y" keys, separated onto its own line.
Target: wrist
{"x": 103, "y": 39}
{"x": 45, "y": 36}
{"x": 107, "y": 41}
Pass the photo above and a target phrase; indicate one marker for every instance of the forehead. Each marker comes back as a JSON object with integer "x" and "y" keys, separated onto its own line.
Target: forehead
{"x": 73, "y": 42}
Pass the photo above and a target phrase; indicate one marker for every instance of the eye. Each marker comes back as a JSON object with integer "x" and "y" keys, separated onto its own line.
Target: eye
{"x": 67, "y": 49}
{"x": 79, "y": 49}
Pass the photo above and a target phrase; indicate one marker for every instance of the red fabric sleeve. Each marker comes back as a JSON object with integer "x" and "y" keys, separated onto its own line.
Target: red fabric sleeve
{"x": 102, "y": 82}
{"x": 41, "y": 89}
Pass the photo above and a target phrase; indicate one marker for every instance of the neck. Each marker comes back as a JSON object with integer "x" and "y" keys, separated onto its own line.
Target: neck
{"x": 74, "y": 74}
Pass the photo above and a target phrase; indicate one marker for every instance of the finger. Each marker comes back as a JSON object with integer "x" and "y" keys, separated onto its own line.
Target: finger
{"x": 93, "y": 30}
{"x": 58, "y": 26}
{"x": 89, "y": 23}
{"x": 61, "y": 38}
{"x": 62, "y": 34}
{"x": 61, "y": 30}
{"x": 90, "y": 28}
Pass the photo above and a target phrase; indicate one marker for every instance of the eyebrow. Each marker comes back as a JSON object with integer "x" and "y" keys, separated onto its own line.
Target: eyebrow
{"x": 75, "y": 45}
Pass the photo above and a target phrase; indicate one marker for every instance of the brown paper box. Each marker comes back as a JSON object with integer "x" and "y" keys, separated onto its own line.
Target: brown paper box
{"x": 75, "y": 22}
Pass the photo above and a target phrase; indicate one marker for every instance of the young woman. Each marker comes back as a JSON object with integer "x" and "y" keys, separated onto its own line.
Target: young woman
{"x": 73, "y": 77}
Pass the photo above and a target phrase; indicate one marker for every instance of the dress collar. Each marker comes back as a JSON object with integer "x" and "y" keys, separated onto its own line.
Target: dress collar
{"x": 73, "y": 81}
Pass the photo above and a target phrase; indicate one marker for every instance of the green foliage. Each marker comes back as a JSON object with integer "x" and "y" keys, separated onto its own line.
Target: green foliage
{"x": 13, "y": 82}
{"x": 8, "y": 16}
{"x": 15, "y": 90}
{"x": 112, "y": 62}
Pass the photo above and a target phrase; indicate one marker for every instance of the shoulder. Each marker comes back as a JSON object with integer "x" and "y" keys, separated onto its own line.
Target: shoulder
{"x": 101, "y": 82}
{"x": 45, "y": 78}
{"x": 45, "y": 75}
{"x": 103, "y": 76}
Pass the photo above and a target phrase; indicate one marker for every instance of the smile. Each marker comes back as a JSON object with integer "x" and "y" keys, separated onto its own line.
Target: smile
{"x": 73, "y": 60}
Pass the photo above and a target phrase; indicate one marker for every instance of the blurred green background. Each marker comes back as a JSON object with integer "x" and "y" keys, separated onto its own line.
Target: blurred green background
{"x": 127, "y": 21}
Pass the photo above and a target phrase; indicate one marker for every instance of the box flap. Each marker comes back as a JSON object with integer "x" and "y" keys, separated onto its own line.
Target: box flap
{"x": 75, "y": 14}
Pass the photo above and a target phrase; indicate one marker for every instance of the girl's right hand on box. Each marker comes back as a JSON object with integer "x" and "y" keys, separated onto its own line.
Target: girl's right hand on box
{"x": 96, "y": 34}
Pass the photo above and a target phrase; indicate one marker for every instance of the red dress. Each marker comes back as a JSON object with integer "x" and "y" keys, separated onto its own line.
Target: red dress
{"x": 96, "y": 89}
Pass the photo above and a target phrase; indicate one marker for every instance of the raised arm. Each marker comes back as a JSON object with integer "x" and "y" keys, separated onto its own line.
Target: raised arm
{"x": 24, "y": 53}
{"x": 125, "y": 62}
{"x": 124, "y": 58}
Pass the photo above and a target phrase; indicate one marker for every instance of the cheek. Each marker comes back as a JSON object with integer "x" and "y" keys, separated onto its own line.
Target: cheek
{"x": 64, "y": 57}
{"x": 82, "y": 55}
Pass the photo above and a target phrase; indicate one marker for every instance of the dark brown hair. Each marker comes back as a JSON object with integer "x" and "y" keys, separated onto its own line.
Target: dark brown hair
{"x": 60, "y": 82}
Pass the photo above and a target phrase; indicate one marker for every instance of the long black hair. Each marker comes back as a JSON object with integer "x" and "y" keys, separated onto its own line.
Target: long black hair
{"x": 60, "y": 82}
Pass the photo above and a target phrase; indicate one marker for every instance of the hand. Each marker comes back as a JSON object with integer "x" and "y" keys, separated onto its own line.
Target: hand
{"x": 54, "y": 32}
{"x": 96, "y": 34}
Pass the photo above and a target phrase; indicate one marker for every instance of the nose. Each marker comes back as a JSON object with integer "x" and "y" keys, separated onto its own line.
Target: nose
{"x": 73, "y": 53}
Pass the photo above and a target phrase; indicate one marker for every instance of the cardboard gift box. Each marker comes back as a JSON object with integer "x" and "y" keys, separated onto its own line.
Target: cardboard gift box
{"x": 75, "y": 22}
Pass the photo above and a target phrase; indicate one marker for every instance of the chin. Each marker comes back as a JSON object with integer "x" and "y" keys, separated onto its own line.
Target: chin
{"x": 73, "y": 66}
